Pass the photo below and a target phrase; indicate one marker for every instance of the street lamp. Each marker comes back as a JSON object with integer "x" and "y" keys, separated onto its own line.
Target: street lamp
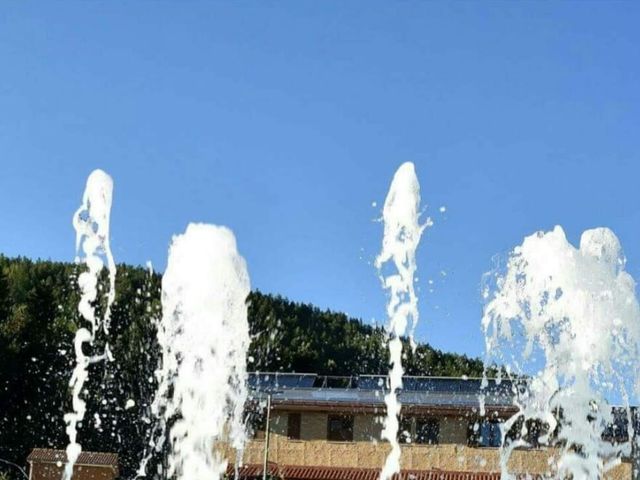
{"x": 267, "y": 433}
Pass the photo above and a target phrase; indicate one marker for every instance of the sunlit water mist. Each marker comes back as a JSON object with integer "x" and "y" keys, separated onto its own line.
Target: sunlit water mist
{"x": 91, "y": 222}
{"x": 204, "y": 339}
{"x": 569, "y": 318}
{"x": 402, "y": 232}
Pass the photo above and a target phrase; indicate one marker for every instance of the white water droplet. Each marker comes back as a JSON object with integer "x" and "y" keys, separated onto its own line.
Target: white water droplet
{"x": 402, "y": 232}
{"x": 204, "y": 337}
{"x": 91, "y": 223}
{"x": 550, "y": 317}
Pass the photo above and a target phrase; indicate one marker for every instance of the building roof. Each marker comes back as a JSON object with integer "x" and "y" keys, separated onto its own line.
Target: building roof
{"x": 341, "y": 473}
{"x": 294, "y": 472}
{"x": 369, "y": 391}
{"x": 253, "y": 470}
{"x": 285, "y": 380}
{"x": 98, "y": 459}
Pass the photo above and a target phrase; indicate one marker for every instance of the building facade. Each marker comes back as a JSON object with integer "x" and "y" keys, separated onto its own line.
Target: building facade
{"x": 47, "y": 464}
{"x": 324, "y": 428}
{"x": 329, "y": 428}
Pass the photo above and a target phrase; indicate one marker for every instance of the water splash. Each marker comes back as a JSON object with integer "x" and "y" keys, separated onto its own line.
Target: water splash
{"x": 204, "y": 339}
{"x": 91, "y": 222}
{"x": 568, "y": 318}
{"x": 402, "y": 232}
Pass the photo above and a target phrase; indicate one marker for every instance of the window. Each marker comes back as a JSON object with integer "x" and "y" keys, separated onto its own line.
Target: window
{"x": 257, "y": 424}
{"x": 533, "y": 431}
{"x": 618, "y": 430}
{"x": 490, "y": 435}
{"x": 427, "y": 431}
{"x": 473, "y": 433}
{"x": 293, "y": 426}
{"x": 484, "y": 433}
{"x": 405, "y": 432}
{"x": 340, "y": 428}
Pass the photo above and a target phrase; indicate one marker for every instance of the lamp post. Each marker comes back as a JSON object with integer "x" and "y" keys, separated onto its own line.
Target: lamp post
{"x": 266, "y": 437}
{"x": 635, "y": 444}
{"x": 267, "y": 432}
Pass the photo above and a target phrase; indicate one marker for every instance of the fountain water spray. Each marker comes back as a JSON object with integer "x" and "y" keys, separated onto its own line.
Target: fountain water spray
{"x": 402, "y": 232}
{"x": 204, "y": 339}
{"x": 568, "y": 319}
{"x": 91, "y": 222}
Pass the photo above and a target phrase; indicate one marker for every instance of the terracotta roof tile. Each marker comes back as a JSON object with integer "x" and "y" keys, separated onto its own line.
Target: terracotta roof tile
{"x": 46, "y": 455}
{"x": 295, "y": 472}
{"x": 340, "y": 473}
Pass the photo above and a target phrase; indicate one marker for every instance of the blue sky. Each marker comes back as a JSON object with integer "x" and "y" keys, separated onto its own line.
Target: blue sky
{"x": 286, "y": 120}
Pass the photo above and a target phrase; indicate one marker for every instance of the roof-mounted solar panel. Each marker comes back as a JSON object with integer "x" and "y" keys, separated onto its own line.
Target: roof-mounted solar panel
{"x": 295, "y": 380}
{"x": 372, "y": 382}
{"x": 264, "y": 381}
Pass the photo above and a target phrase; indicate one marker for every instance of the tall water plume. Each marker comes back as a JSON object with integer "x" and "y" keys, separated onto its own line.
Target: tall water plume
{"x": 91, "y": 222}
{"x": 402, "y": 232}
{"x": 204, "y": 339}
{"x": 566, "y": 322}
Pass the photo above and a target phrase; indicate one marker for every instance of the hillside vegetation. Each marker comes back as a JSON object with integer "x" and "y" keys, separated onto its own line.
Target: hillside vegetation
{"x": 38, "y": 318}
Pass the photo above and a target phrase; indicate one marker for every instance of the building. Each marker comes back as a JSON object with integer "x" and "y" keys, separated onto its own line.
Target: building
{"x": 47, "y": 464}
{"x": 328, "y": 428}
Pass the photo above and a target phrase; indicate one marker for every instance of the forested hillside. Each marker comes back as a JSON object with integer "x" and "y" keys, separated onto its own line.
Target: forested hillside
{"x": 38, "y": 318}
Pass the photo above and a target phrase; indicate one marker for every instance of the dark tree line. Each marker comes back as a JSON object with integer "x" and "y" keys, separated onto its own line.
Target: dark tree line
{"x": 290, "y": 336}
{"x": 38, "y": 319}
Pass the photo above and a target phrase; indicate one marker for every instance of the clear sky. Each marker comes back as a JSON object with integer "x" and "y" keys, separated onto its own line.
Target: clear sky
{"x": 286, "y": 120}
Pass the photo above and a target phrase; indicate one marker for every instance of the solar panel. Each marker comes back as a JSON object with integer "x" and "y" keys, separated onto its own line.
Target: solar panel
{"x": 261, "y": 380}
{"x": 371, "y": 382}
{"x": 265, "y": 381}
{"x": 295, "y": 380}
{"x": 289, "y": 381}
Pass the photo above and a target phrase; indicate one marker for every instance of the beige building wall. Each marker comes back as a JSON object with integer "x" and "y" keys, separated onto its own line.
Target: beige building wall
{"x": 452, "y": 454}
{"x": 51, "y": 471}
{"x": 446, "y": 457}
{"x": 366, "y": 427}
